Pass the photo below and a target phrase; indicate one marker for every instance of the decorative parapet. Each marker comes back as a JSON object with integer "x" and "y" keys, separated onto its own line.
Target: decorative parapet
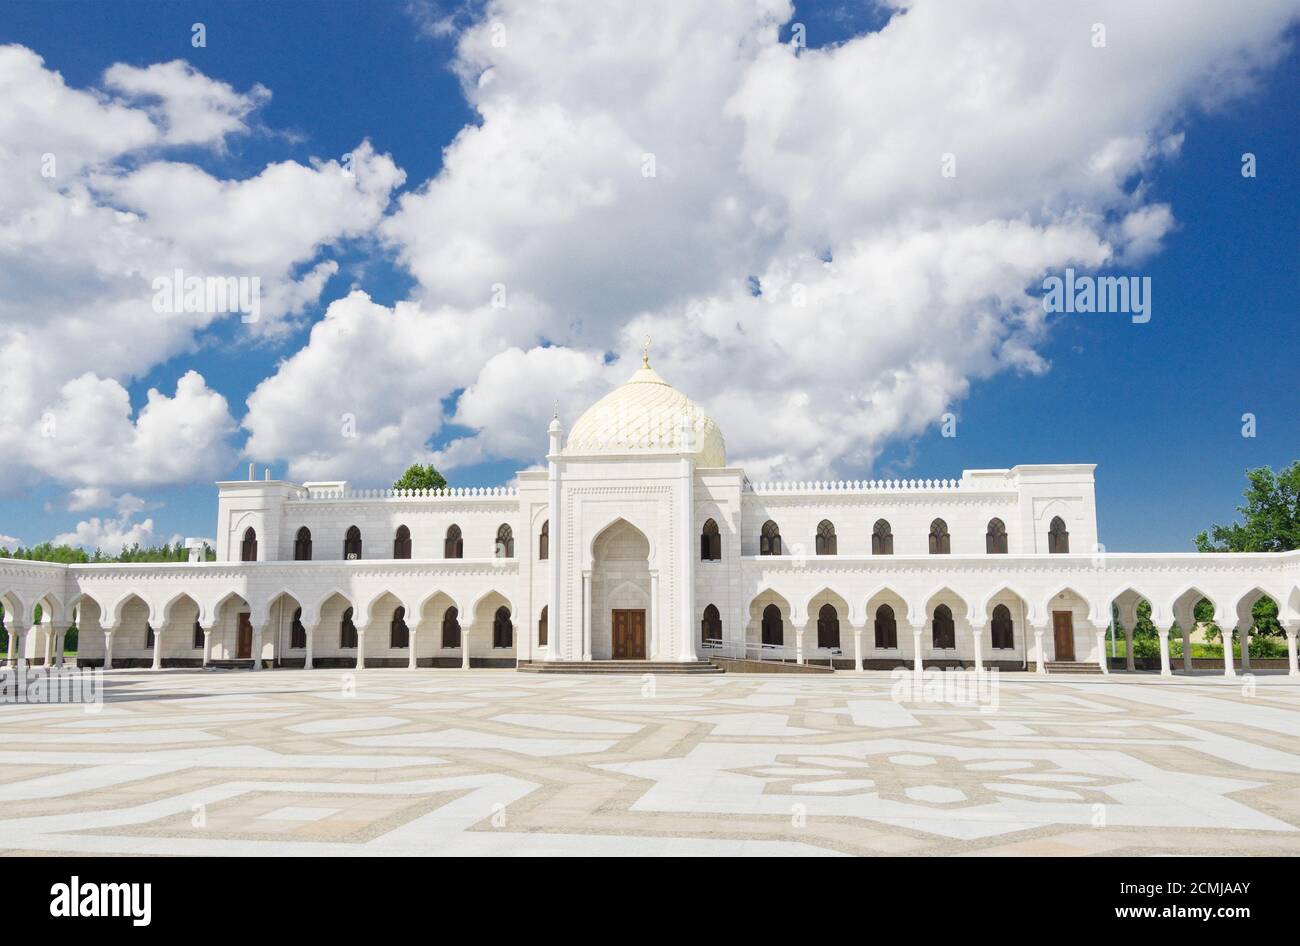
{"x": 860, "y": 486}
{"x": 451, "y": 492}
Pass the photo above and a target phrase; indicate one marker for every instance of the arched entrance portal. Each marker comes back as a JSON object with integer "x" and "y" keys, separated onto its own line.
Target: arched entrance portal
{"x": 621, "y": 625}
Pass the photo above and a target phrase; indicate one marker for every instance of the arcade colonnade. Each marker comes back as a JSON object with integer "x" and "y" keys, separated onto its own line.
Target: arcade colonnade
{"x": 1010, "y": 612}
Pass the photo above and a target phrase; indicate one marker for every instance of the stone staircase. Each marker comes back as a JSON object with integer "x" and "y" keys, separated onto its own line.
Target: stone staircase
{"x": 1071, "y": 666}
{"x": 617, "y": 666}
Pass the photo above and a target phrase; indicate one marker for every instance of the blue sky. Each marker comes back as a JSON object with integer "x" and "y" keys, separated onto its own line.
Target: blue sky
{"x": 1157, "y": 407}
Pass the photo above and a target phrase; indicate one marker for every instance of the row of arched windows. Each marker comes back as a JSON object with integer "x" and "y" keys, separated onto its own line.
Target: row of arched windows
{"x": 453, "y": 544}
{"x": 399, "y": 633}
{"x": 882, "y": 539}
{"x": 769, "y": 541}
{"x": 942, "y": 626}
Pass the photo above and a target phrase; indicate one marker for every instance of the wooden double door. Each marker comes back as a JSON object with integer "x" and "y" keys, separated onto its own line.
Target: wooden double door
{"x": 244, "y": 638}
{"x": 629, "y": 635}
{"x": 1063, "y": 634}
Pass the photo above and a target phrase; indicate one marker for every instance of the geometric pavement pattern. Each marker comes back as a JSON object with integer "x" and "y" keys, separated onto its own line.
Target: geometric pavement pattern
{"x": 393, "y": 762}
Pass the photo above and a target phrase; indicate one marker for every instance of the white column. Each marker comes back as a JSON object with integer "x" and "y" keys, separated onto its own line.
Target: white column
{"x": 917, "y": 659}
{"x": 49, "y": 647}
{"x": 257, "y": 646}
{"x": 361, "y": 648}
{"x": 1164, "y": 651}
{"x": 1040, "y": 651}
{"x": 157, "y": 648}
{"x": 22, "y": 645}
{"x": 108, "y": 649}
{"x": 555, "y": 644}
{"x": 1228, "y": 669}
{"x": 12, "y": 658}
{"x": 1243, "y": 635}
{"x": 858, "y": 631}
{"x": 978, "y": 636}
{"x": 311, "y": 633}
{"x": 1128, "y": 650}
{"x": 689, "y": 551}
{"x": 464, "y": 646}
{"x": 410, "y": 641}
{"x": 60, "y": 632}
{"x": 1101, "y": 651}
{"x": 799, "y": 631}
{"x": 1292, "y": 666}
{"x": 586, "y": 615}
{"x": 207, "y": 646}
{"x": 656, "y": 639}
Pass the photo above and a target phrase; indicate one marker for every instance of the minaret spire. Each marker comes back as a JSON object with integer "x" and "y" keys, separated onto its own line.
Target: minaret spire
{"x": 645, "y": 352}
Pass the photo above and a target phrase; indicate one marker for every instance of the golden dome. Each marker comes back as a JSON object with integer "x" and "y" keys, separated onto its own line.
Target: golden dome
{"x": 647, "y": 413}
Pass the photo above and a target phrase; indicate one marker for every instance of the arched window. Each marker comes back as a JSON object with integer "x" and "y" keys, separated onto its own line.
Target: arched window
{"x": 543, "y": 631}
{"x": 302, "y": 545}
{"x": 1058, "y": 538}
{"x": 503, "y": 632}
{"x": 828, "y": 627}
{"x": 769, "y": 540}
{"x": 995, "y": 540}
{"x": 347, "y": 631}
{"x": 197, "y": 642}
{"x": 451, "y": 628}
{"x": 297, "y": 632}
{"x": 825, "y": 537}
{"x": 399, "y": 635}
{"x": 148, "y": 635}
{"x": 886, "y": 627}
{"x": 710, "y": 542}
{"x": 940, "y": 542}
{"x": 882, "y": 538}
{"x": 453, "y": 546}
{"x": 773, "y": 631}
{"x": 352, "y": 543}
{"x": 505, "y": 542}
{"x": 1003, "y": 635}
{"x": 711, "y": 625}
{"x": 402, "y": 543}
{"x": 544, "y": 542}
{"x": 248, "y": 548}
{"x": 945, "y": 631}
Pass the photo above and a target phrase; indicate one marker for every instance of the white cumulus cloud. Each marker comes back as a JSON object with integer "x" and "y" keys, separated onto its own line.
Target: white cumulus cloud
{"x": 780, "y": 220}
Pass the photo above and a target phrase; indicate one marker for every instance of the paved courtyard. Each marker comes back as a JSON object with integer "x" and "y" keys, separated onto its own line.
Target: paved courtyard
{"x": 499, "y": 762}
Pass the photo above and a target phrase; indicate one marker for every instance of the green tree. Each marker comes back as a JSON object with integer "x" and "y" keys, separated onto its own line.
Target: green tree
{"x": 421, "y": 477}
{"x": 73, "y": 555}
{"x": 1271, "y": 515}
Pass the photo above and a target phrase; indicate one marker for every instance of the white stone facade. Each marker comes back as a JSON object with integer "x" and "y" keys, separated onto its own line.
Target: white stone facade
{"x": 624, "y": 504}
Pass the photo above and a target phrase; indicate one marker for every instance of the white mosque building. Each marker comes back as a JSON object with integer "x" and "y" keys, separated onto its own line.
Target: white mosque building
{"x": 638, "y": 543}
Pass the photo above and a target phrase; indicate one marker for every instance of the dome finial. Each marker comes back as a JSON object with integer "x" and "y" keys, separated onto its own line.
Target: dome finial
{"x": 645, "y": 352}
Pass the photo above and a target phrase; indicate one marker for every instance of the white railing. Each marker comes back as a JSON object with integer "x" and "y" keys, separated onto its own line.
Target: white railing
{"x": 746, "y": 650}
{"x": 451, "y": 492}
{"x": 855, "y": 486}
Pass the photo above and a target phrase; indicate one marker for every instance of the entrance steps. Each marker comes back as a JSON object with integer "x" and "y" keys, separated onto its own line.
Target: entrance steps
{"x": 617, "y": 666}
{"x": 737, "y": 665}
{"x": 1071, "y": 666}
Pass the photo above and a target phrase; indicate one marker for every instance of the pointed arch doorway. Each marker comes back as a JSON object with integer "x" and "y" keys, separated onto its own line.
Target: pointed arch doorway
{"x": 621, "y": 594}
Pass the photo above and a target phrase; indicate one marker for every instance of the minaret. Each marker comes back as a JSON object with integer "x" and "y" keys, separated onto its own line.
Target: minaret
{"x": 556, "y": 628}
